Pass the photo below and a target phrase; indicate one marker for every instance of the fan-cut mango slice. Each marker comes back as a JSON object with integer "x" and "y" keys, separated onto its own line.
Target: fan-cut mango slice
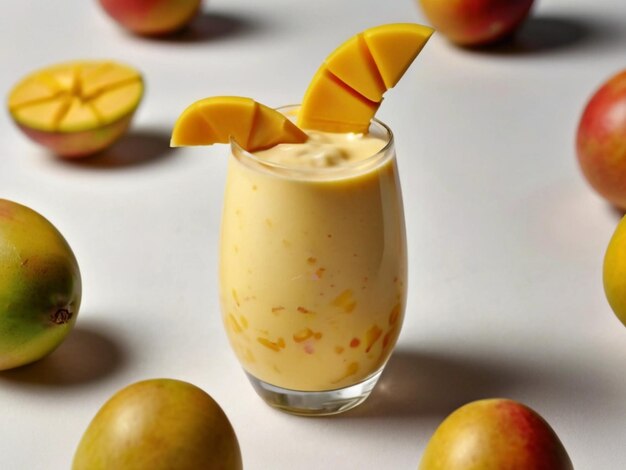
{"x": 76, "y": 108}
{"x": 217, "y": 119}
{"x": 348, "y": 88}
{"x": 94, "y": 93}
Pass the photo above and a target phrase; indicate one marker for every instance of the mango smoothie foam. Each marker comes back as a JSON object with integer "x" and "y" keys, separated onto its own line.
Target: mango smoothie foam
{"x": 313, "y": 259}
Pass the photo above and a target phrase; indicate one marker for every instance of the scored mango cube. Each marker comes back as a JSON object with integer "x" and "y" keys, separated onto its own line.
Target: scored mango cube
{"x": 395, "y": 50}
{"x": 333, "y": 106}
{"x": 354, "y": 65}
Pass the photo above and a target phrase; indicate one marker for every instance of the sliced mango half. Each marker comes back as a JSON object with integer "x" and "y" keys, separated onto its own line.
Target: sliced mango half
{"x": 217, "y": 119}
{"x": 348, "y": 88}
{"x": 76, "y": 96}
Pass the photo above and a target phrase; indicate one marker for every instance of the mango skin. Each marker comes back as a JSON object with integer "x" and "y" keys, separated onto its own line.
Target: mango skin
{"x": 495, "y": 434}
{"x": 40, "y": 286}
{"x": 601, "y": 140}
{"x": 159, "y": 424}
{"x": 476, "y": 22}
{"x": 152, "y": 17}
{"x": 81, "y": 144}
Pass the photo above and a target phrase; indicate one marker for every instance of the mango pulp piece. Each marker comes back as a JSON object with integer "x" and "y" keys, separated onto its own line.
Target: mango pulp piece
{"x": 102, "y": 92}
{"x": 347, "y": 89}
{"x": 332, "y": 106}
{"x": 269, "y": 131}
{"x": 252, "y": 125}
{"x": 353, "y": 64}
{"x": 395, "y": 47}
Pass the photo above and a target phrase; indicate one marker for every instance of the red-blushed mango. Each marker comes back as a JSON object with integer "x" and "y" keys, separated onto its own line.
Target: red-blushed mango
{"x": 476, "y": 22}
{"x": 495, "y": 434}
{"x": 40, "y": 286}
{"x": 159, "y": 424}
{"x": 152, "y": 17}
{"x": 601, "y": 140}
{"x": 76, "y": 108}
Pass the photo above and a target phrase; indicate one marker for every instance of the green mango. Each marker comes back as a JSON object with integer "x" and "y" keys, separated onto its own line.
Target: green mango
{"x": 40, "y": 286}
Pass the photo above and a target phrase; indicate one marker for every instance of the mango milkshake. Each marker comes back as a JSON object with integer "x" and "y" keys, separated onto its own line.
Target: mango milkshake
{"x": 313, "y": 260}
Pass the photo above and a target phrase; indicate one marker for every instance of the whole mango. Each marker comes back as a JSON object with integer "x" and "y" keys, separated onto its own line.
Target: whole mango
{"x": 495, "y": 434}
{"x": 601, "y": 140}
{"x": 159, "y": 424}
{"x": 152, "y": 17}
{"x": 40, "y": 286}
{"x": 476, "y": 22}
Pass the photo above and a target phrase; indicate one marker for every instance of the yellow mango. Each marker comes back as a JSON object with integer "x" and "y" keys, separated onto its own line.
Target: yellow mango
{"x": 159, "y": 424}
{"x": 347, "y": 89}
{"x": 218, "y": 119}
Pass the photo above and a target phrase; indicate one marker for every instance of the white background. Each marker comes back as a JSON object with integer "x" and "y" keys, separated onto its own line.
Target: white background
{"x": 506, "y": 239}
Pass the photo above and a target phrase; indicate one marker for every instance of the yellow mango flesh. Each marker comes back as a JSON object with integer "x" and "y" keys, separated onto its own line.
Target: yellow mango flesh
{"x": 395, "y": 47}
{"x": 218, "y": 119}
{"x": 353, "y": 64}
{"x": 269, "y": 131}
{"x": 332, "y": 106}
{"x": 347, "y": 89}
{"x": 76, "y": 96}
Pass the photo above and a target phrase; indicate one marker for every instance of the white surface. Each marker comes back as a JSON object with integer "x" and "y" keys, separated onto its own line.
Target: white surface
{"x": 506, "y": 239}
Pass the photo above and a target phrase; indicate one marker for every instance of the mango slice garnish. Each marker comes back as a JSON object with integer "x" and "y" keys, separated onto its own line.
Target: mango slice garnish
{"x": 217, "y": 119}
{"x": 76, "y": 96}
{"x": 348, "y": 88}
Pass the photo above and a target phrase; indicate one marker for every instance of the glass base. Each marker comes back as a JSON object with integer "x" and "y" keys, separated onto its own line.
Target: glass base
{"x": 323, "y": 403}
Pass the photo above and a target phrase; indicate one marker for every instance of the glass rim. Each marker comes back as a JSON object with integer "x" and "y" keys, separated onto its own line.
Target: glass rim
{"x": 238, "y": 151}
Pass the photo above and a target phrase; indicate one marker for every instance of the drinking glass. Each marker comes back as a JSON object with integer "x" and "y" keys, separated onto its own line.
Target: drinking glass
{"x": 313, "y": 275}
